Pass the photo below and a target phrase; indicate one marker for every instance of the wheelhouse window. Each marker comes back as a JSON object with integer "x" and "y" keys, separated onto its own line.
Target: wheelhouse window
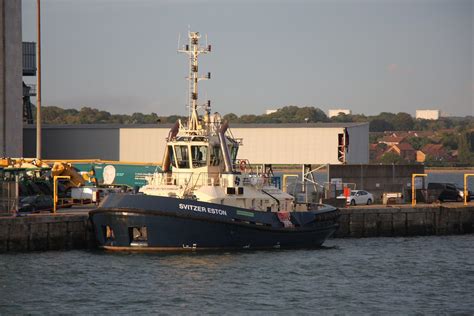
{"x": 199, "y": 156}
{"x": 182, "y": 156}
{"x": 171, "y": 154}
{"x": 215, "y": 156}
{"x": 233, "y": 152}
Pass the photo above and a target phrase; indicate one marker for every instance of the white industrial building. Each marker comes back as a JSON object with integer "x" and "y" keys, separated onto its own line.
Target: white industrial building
{"x": 311, "y": 143}
{"x": 428, "y": 114}
{"x": 335, "y": 112}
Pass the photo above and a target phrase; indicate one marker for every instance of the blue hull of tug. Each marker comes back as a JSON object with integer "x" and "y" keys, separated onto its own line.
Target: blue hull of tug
{"x": 179, "y": 224}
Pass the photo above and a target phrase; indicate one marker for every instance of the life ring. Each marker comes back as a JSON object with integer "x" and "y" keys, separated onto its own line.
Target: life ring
{"x": 243, "y": 165}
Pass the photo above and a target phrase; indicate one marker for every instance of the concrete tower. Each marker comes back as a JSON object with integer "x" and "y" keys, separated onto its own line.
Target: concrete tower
{"x": 11, "y": 108}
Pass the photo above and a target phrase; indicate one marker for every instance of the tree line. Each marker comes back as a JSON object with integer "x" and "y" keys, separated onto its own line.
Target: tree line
{"x": 87, "y": 115}
{"x": 455, "y": 134}
{"x": 289, "y": 114}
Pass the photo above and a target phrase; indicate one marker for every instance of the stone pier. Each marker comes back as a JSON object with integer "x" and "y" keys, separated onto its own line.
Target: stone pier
{"x": 382, "y": 221}
{"x": 74, "y": 230}
{"x": 46, "y": 232}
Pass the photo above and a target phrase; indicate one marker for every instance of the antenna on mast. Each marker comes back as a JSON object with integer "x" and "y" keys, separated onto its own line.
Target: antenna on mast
{"x": 193, "y": 50}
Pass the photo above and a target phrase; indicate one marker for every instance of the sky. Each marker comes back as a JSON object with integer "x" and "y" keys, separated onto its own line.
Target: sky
{"x": 369, "y": 56}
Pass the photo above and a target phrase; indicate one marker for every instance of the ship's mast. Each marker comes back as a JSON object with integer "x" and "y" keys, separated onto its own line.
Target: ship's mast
{"x": 193, "y": 50}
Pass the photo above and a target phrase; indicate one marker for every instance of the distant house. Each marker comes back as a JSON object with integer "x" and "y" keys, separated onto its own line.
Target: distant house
{"x": 420, "y": 133}
{"x": 391, "y": 140}
{"x": 403, "y": 134}
{"x": 435, "y": 151}
{"x": 404, "y": 150}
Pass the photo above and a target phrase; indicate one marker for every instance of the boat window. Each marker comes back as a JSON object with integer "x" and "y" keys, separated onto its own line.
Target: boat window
{"x": 233, "y": 152}
{"x": 138, "y": 236}
{"x": 171, "y": 153}
{"x": 182, "y": 156}
{"x": 199, "y": 155}
{"x": 215, "y": 156}
{"x": 108, "y": 233}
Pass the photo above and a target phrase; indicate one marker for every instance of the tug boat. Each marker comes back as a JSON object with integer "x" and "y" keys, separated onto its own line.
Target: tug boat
{"x": 206, "y": 198}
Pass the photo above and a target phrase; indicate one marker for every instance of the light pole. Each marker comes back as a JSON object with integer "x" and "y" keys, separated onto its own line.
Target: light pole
{"x": 38, "y": 81}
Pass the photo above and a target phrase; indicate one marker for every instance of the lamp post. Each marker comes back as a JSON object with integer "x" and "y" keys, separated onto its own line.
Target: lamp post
{"x": 413, "y": 189}
{"x": 38, "y": 81}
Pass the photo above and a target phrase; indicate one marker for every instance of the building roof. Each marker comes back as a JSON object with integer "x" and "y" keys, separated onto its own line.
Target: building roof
{"x": 433, "y": 149}
{"x": 421, "y": 133}
{"x": 404, "y": 146}
{"x": 391, "y": 139}
{"x": 169, "y": 125}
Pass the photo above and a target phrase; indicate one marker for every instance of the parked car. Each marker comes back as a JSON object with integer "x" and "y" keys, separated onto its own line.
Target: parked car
{"x": 35, "y": 203}
{"x": 358, "y": 197}
{"x": 449, "y": 191}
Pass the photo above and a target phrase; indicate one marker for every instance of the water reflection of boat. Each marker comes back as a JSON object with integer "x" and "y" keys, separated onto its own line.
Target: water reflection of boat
{"x": 206, "y": 198}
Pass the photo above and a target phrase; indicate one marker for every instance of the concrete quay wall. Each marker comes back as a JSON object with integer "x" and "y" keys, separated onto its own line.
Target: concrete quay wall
{"x": 74, "y": 231}
{"x": 46, "y": 232}
{"x": 405, "y": 221}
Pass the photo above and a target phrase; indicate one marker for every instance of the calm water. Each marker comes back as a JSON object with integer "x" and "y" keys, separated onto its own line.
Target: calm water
{"x": 429, "y": 275}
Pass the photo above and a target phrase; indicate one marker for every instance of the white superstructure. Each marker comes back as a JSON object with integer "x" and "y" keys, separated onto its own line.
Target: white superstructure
{"x": 200, "y": 158}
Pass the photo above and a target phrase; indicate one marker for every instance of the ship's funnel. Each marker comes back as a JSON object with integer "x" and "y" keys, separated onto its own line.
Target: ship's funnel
{"x": 225, "y": 150}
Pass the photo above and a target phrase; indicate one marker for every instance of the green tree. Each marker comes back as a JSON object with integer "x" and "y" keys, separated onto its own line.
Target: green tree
{"x": 138, "y": 118}
{"x": 343, "y": 118}
{"x": 294, "y": 114}
{"x": 248, "y": 118}
{"x": 470, "y": 140}
{"x": 231, "y": 117}
{"x": 418, "y": 142}
{"x": 465, "y": 156}
{"x": 403, "y": 122}
{"x": 380, "y": 125}
{"x": 450, "y": 140}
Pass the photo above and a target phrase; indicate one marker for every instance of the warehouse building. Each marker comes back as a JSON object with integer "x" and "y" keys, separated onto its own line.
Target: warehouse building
{"x": 312, "y": 143}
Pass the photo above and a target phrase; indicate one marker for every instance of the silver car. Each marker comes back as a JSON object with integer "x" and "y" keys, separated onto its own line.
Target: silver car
{"x": 360, "y": 197}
